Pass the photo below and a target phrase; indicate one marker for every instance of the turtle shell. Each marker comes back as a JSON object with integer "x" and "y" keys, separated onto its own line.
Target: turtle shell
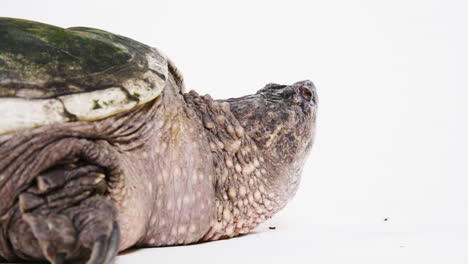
{"x": 52, "y": 75}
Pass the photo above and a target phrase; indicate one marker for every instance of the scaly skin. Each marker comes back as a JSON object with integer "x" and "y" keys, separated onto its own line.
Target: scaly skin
{"x": 181, "y": 169}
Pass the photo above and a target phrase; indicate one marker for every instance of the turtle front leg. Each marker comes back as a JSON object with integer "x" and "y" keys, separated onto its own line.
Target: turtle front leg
{"x": 96, "y": 221}
{"x": 66, "y": 216}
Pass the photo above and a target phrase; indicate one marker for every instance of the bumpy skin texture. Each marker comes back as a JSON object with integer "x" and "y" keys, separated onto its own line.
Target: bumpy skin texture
{"x": 179, "y": 169}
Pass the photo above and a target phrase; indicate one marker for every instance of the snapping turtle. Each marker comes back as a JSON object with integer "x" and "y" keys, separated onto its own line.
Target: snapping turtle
{"x": 101, "y": 149}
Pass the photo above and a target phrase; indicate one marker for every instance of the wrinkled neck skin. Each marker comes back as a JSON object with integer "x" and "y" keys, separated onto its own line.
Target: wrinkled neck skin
{"x": 251, "y": 183}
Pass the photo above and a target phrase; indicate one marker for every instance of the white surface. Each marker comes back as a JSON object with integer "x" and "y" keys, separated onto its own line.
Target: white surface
{"x": 392, "y": 134}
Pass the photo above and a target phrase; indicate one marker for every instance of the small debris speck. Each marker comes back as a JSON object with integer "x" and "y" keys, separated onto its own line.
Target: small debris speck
{"x": 386, "y": 219}
{"x": 272, "y": 227}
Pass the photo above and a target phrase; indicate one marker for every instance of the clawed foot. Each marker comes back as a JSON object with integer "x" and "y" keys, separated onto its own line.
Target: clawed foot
{"x": 104, "y": 251}
{"x": 106, "y": 247}
{"x": 88, "y": 233}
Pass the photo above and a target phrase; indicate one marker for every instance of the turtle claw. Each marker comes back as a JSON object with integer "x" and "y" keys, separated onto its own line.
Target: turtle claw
{"x": 98, "y": 254}
{"x": 114, "y": 244}
{"x": 106, "y": 247}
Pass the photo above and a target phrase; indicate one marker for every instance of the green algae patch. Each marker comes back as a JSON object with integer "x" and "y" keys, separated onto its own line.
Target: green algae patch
{"x": 96, "y": 104}
{"x": 43, "y": 44}
{"x": 38, "y": 54}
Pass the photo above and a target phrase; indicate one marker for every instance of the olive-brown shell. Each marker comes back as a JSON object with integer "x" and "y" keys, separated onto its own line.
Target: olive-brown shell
{"x": 51, "y": 75}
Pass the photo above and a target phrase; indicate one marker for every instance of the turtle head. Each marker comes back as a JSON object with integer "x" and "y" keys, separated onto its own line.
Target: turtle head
{"x": 280, "y": 119}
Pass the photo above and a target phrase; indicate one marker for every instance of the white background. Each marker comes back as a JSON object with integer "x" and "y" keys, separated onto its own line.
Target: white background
{"x": 392, "y": 131}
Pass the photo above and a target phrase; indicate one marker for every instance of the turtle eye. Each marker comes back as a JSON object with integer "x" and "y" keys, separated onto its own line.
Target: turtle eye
{"x": 305, "y": 93}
